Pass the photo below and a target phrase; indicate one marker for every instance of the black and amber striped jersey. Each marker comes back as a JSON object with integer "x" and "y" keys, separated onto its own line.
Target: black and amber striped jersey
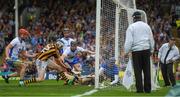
{"x": 50, "y": 50}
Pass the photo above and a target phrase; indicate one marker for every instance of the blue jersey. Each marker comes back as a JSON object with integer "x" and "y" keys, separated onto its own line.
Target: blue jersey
{"x": 110, "y": 71}
{"x": 87, "y": 69}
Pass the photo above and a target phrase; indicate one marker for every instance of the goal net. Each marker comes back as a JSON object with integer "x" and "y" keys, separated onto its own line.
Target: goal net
{"x": 112, "y": 20}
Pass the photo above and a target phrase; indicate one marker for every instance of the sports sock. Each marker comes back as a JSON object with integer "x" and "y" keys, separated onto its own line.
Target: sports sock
{"x": 33, "y": 80}
{"x": 64, "y": 77}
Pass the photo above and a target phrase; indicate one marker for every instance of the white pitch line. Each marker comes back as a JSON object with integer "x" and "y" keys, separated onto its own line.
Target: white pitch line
{"x": 89, "y": 92}
{"x": 86, "y": 93}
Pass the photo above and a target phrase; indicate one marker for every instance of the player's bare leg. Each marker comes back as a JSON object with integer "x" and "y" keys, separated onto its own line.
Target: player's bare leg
{"x": 65, "y": 75}
{"x": 41, "y": 72}
{"x": 42, "y": 69}
{"x": 22, "y": 73}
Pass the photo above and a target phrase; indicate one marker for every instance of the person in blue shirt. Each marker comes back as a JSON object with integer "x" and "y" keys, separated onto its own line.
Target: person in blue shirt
{"x": 110, "y": 70}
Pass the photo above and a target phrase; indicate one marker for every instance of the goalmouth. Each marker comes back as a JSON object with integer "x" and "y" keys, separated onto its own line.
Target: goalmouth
{"x": 112, "y": 20}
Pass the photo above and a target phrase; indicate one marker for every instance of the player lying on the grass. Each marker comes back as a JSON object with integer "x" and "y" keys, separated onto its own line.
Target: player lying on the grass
{"x": 71, "y": 56}
{"x": 12, "y": 51}
{"x": 49, "y": 53}
{"x": 88, "y": 70}
{"x": 109, "y": 70}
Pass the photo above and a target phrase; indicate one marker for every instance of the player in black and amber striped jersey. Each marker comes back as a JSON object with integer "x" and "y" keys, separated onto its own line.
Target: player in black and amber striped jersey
{"x": 48, "y": 51}
{"x": 50, "y": 56}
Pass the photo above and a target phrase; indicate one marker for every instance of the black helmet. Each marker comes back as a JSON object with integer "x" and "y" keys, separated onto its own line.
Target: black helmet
{"x": 136, "y": 14}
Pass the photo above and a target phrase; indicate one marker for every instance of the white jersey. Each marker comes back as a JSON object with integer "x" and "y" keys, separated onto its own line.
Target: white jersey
{"x": 17, "y": 46}
{"x": 139, "y": 37}
{"x": 71, "y": 55}
{"x": 67, "y": 42}
{"x": 173, "y": 54}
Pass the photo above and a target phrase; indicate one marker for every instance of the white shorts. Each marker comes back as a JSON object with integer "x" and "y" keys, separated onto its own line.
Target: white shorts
{"x": 41, "y": 65}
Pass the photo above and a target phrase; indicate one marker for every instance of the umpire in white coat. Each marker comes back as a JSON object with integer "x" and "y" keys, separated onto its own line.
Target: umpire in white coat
{"x": 139, "y": 41}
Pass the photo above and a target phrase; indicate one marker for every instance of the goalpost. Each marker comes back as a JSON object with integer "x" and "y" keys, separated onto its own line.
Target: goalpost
{"x": 112, "y": 20}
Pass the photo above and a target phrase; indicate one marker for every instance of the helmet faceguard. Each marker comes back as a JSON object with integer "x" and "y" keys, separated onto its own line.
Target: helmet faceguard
{"x": 59, "y": 44}
{"x": 74, "y": 43}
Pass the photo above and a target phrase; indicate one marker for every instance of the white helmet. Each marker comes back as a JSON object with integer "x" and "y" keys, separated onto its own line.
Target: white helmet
{"x": 60, "y": 44}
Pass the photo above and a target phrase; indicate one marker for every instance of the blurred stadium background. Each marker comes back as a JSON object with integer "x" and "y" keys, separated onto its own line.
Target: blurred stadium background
{"x": 46, "y": 18}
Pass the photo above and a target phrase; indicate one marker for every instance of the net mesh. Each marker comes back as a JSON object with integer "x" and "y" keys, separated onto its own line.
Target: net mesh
{"x": 109, "y": 10}
{"x": 128, "y": 3}
{"x": 107, "y": 36}
{"x": 107, "y": 32}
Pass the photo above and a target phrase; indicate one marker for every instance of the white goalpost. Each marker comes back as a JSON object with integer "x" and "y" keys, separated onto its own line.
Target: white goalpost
{"x": 112, "y": 20}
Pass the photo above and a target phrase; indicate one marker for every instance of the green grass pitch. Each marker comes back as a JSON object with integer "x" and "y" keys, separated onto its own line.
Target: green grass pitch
{"x": 53, "y": 88}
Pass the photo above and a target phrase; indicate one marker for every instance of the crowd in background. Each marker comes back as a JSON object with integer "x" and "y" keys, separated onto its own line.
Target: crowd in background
{"x": 7, "y": 23}
{"x": 79, "y": 17}
{"x": 160, "y": 20}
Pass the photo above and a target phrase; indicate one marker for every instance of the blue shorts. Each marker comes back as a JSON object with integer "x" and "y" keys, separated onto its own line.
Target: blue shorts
{"x": 12, "y": 62}
{"x": 11, "y": 65}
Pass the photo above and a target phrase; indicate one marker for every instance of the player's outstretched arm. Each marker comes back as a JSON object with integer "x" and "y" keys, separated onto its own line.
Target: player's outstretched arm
{"x": 8, "y": 47}
{"x": 25, "y": 53}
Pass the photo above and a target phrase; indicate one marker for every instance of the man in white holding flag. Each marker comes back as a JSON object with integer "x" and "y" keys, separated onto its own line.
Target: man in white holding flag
{"x": 139, "y": 41}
